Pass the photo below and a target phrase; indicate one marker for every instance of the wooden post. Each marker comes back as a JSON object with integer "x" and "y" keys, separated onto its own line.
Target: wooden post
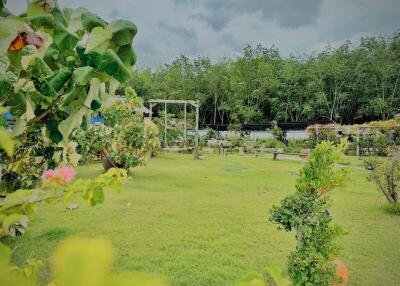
{"x": 151, "y": 110}
{"x": 185, "y": 128}
{"x": 358, "y": 141}
{"x": 317, "y": 134}
{"x": 165, "y": 125}
{"x": 196, "y": 147}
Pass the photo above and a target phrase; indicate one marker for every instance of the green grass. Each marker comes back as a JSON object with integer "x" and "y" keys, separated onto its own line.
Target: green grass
{"x": 205, "y": 222}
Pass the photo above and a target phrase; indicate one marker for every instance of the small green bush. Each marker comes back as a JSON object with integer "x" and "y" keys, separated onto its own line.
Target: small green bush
{"x": 306, "y": 212}
{"x": 270, "y": 143}
{"x": 295, "y": 146}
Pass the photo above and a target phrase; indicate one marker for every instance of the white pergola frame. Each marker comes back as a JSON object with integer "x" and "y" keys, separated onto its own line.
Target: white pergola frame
{"x": 194, "y": 103}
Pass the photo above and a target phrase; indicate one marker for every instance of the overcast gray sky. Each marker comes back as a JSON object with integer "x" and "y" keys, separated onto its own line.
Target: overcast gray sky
{"x": 217, "y": 28}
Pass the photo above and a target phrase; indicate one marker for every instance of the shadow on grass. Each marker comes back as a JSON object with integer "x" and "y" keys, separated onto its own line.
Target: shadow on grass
{"x": 57, "y": 233}
{"x": 392, "y": 209}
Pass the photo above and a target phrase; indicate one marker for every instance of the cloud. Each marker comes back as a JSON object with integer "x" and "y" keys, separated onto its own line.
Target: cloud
{"x": 222, "y": 28}
{"x": 287, "y": 13}
{"x": 180, "y": 31}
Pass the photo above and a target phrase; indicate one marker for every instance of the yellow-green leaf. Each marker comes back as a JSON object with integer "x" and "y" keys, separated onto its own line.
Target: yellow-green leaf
{"x": 98, "y": 40}
{"x": 6, "y": 142}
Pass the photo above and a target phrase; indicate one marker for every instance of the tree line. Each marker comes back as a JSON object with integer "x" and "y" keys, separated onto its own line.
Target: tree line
{"x": 348, "y": 84}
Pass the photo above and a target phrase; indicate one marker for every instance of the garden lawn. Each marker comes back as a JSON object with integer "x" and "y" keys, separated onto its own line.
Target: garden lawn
{"x": 205, "y": 222}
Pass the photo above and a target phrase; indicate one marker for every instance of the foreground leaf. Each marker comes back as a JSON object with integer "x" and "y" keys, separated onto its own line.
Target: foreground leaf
{"x": 6, "y": 142}
{"x": 73, "y": 121}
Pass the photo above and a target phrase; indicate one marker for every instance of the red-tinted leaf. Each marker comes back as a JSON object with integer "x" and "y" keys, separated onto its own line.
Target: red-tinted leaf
{"x": 18, "y": 43}
{"x": 32, "y": 39}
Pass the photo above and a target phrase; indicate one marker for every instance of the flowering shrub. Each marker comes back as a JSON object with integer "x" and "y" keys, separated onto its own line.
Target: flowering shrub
{"x": 60, "y": 176}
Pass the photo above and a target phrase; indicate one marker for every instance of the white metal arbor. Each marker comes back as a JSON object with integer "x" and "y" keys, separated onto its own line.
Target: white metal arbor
{"x": 194, "y": 103}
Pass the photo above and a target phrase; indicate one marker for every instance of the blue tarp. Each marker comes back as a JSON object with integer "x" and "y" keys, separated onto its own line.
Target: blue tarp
{"x": 98, "y": 119}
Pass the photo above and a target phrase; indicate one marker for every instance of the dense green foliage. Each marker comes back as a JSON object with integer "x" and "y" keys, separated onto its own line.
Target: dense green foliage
{"x": 306, "y": 213}
{"x": 57, "y": 67}
{"x": 345, "y": 84}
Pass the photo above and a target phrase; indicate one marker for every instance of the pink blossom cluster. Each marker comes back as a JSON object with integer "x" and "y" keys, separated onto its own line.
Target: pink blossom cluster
{"x": 61, "y": 175}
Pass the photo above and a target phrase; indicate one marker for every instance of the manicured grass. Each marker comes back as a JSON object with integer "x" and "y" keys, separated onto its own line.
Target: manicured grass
{"x": 205, "y": 222}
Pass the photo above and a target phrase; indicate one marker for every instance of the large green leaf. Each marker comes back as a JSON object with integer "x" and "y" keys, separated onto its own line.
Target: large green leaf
{"x": 127, "y": 55}
{"x": 93, "y": 92}
{"x": 72, "y": 94}
{"x": 36, "y": 8}
{"x": 99, "y": 40}
{"x": 52, "y": 53}
{"x": 29, "y": 113}
{"x": 60, "y": 78}
{"x": 4, "y": 64}
{"x": 114, "y": 67}
{"x": 19, "y": 127}
{"x": 59, "y": 16}
{"x": 46, "y": 89}
{"x": 114, "y": 84}
{"x": 45, "y": 21}
{"x": 12, "y": 219}
{"x": 73, "y": 121}
{"x": 16, "y": 104}
{"x": 37, "y": 67}
{"x": 97, "y": 196}
{"x": 123, "y": 32}
{"x": 63, "y": 38}
{"x": 6, "y": 82}
{"x": 6, "y": 142}
{"x": 75, "y": 22}
{"x": 83, "y": 75}
{"x": 90, "y": 21}
{"x": 53, "y": 132}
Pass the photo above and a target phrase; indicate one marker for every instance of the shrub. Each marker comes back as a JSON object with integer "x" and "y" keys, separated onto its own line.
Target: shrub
{"x": 306, "y": 213}
{"x": 127, "y": 144}
{"x": 382, "y": 141}
{"x": 386, "y": 176}
{"x": 295, "y": 146}
{"x": 151, "y": 140}
{"x": 133, "y": 138}
{"x": 210, "y": 134}
{"x": 276, "y": 131}
{"x": 235, "y": 139}
{"x": 270, "y": 143}
{"x": 92, "y": 141}
{"x": 174, "y": 129}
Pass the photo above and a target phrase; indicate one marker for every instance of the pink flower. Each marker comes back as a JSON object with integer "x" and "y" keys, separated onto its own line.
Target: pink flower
{"x": 61, "y": 175}
{"x": 67, "y": 172}
{"x": 48, "y": 175}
